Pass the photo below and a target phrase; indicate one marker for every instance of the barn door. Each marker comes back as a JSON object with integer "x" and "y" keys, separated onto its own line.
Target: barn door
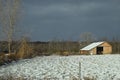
{"x": 99, "y": 50}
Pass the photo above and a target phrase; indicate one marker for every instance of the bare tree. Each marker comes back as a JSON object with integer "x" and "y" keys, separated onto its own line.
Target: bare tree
{"x": 9, "y": 15}
{"x": 116, "y": 44}
{"x": 87, "y": 37}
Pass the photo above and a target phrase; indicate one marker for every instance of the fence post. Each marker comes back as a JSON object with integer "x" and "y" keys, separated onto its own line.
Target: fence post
{"x": 80, "y": 71}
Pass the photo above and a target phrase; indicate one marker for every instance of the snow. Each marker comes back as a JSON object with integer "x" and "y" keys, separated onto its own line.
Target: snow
{"x": 102, "y": 67}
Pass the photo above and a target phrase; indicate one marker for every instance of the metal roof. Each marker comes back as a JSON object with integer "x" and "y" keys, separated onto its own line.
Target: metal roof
{"x": 92, "y": 45}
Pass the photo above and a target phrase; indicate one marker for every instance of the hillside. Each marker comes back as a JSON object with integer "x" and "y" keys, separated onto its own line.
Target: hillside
{"x": 102, "y": 67}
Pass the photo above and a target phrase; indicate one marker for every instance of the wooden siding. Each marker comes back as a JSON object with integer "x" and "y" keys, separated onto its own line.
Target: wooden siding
{"x": 107, "y": 48}
{"x": 93, "y": 51}
{"x": 84, "y": 52}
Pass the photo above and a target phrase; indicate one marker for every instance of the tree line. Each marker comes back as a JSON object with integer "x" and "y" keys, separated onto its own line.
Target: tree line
{"x": 10, "y": 11}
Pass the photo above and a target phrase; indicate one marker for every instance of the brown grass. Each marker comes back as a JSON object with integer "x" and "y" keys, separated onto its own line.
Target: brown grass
{"x": 10, "y": 77}
{"x": 24, "y": 50}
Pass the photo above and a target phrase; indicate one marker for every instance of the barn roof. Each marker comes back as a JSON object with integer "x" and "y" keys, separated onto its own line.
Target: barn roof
{"x": 92, "y": 45}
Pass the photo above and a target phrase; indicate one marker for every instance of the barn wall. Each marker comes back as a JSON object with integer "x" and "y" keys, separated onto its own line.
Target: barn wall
{"x": 107, "y": 48}
{"x": 93, "y": 51}
{"x": 84, "y": 52}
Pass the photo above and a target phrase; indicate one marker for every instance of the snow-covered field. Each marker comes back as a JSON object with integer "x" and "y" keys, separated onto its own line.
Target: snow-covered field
{"x": 103, "y": 67}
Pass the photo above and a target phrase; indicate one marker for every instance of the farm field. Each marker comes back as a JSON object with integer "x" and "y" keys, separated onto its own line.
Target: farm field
{"x": 102, "y": 67}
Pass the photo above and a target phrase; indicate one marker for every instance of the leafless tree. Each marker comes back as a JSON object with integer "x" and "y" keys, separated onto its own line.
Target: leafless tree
{"x": 116, "y": 44}
{"x": 87, "y": 37}
{"x": 9, "y": 16}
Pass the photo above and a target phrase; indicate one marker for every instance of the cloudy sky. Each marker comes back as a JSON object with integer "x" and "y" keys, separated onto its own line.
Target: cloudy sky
{"x": 66, "y": 19}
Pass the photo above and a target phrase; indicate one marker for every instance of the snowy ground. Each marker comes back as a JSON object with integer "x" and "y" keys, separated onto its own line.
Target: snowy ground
{"x": 103, "y": 67}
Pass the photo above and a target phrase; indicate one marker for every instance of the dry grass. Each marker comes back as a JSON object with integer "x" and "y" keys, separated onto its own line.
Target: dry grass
{"x": 24, "y": 50}
{"x": 10, "y": 77}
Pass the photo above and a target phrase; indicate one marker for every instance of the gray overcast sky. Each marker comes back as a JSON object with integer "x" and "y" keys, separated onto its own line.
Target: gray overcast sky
{"x": 67, "y": 19}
